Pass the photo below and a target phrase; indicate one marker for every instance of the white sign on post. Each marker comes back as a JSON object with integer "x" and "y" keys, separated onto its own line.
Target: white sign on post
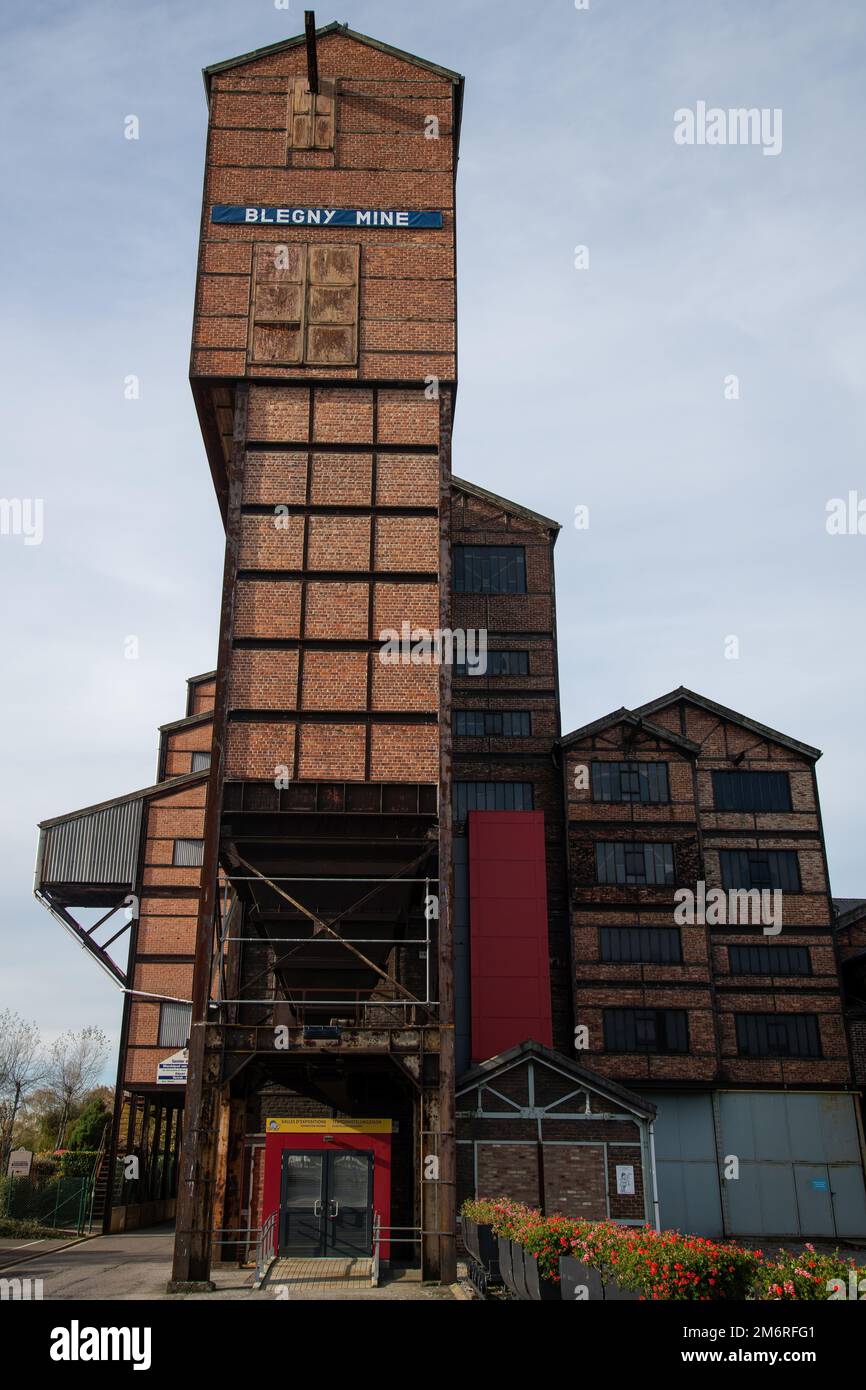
{"x": 625, "y": 1179}
{"x": 20, "y": 1161}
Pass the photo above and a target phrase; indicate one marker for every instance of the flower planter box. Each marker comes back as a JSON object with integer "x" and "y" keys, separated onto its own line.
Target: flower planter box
{"x": 505, "y": 1253}
{"x": 470, "y": 1238}
{"x": 612, "y": 1293}
{"x": 488, "y": 1252}
{"x": 483, "y": 1247}
{"x": 540, "y": 1290}
{"x": 574, "y": 1277}
{"x": 518, "y": 1271}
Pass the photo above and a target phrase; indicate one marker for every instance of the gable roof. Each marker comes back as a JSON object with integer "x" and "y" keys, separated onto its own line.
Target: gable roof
{"x": 762, "y": 730}
{"x": 473, "y": 490}
{"x": 336, "y": 28}
{"x": 627, "y": 716}
{"x": 848, "y": 911}
{"x": 531, "y": 1050}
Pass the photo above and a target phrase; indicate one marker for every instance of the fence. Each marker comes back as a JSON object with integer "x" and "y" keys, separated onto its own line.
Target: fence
{"x": 59, "y": 1203}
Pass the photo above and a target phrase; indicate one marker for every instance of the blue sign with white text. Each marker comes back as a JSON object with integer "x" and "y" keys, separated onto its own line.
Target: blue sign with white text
{"x": 323, "y": 217}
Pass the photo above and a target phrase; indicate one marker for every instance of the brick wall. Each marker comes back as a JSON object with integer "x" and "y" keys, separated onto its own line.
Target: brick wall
{"x": 380, "y": 159}
{"x": 702, "y": 984}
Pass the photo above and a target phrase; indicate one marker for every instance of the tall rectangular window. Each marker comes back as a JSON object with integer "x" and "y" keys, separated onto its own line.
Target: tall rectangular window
{"x": 630, "y": 781}
{"x": 646, "y": 1030}
{"x": 489, "y": 569}
{"x": 491, "y": 796}
{"x": 751, "y": 791}
{"x": 640, "y": 862}
{"x": 778, "y": 1035}
{"x": 657, "y": 945}
{"x": 200, "y": 761}
{"x": 769, "y": 960}
{"x": 175, "y": 1021}
{"x": 760, "y": 868}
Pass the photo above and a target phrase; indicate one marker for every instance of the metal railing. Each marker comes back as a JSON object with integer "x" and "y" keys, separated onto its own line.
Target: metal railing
{"x": 266, "y": 1245}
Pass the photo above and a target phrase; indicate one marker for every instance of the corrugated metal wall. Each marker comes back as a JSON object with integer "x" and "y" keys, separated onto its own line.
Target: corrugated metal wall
{"x": 800, "y": 1169}
{"x": 101, "y": 847}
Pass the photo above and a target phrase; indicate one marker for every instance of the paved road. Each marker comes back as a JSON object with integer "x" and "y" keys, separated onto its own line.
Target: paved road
{"x": 137, "y": 1265}
{"x": 15, "y": 1250}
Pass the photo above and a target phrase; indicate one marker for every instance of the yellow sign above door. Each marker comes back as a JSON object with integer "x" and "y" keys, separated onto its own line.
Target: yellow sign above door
{"x": 303, "y": 1124}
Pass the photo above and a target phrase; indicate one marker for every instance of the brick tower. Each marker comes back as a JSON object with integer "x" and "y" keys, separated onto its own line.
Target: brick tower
{"x": 324, "y": 370}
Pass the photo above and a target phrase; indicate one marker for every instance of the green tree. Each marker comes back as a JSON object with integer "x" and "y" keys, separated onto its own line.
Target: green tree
{"x": 87, "y": 1130}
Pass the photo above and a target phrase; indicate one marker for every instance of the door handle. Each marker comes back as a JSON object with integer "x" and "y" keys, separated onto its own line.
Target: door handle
{"x": 317, "y": 1207}
{"x": 336, "y": 1208}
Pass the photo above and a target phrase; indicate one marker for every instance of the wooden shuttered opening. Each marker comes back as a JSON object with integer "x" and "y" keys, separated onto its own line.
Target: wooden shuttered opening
{"x": 279, "y": 292}
{"x": 332, "y": 305}
{"x": 305, "y": 304}
{"x": 311, "y": 118}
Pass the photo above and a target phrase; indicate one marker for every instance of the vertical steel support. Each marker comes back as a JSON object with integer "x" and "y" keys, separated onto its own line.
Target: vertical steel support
{"x": 195, "y": 1191}
{"x": 447, "y": 1185}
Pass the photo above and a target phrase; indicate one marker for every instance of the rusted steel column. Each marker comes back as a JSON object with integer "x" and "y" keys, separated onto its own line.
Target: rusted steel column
{"x": 447, "y": 1186}
{"x": 192, "y": 1245}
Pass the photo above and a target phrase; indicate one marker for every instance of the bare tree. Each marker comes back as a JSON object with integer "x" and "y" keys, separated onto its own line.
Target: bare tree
{"x": 73, "y": 1066}
{"x": 22, "y": 1066}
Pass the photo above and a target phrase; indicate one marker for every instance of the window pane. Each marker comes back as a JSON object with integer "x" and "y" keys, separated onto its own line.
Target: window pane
{"x": 769, "y": 960}
{"x": 174, "y": 1024}
{"x": 752, "y": 791}
{"x": 630, "y": 781}
{"x": 771, "y": 868}
{"x": 634, "y": 862}
{"x": 491, "y": 796}
{"x": 187, "y": 853}
{"x": 654, "y": 944}
{"x": 489, "y": 569}
{"x": 778, "y": 1035}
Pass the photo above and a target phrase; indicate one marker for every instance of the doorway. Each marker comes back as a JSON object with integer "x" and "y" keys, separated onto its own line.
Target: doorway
{"x": 326, "y": 1202}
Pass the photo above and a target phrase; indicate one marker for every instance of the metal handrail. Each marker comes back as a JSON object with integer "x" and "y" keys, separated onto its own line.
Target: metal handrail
{"x": 266, "y": 1247}
{"x": 377, "y": 1239}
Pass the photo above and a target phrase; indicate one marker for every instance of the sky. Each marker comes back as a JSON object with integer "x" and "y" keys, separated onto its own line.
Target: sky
{"x": 693, "y": 377}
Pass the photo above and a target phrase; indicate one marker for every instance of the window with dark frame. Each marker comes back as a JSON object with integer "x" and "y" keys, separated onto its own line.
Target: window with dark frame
{"x": 751, "y": 791}
{"x": 657, "y": 945}
{"x": 499, "y": 663}
{"x": 778, "y": 1035}
{"x": 646, "y": 1030}
{"x": 760, "y": 868}
{"x": 491, "y": 796}
{"x": 489, "y": 569}
{"x": 639, "y": 862}
{"x": 630, "y": 781}
{"x": 200, "y": 761}
{"x": 175, "y": 1021}
{"x": 769, "y": 960}
{"x": 470, "y": 723}
{"x": 187, "y": 853}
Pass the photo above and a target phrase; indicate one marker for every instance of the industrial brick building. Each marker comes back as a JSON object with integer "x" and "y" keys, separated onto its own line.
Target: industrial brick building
{"x": 730, "y": 1019}
{"x": 370, "y": 887}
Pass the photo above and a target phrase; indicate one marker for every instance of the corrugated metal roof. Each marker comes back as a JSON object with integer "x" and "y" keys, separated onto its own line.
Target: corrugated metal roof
{"x": 99, "y": 847}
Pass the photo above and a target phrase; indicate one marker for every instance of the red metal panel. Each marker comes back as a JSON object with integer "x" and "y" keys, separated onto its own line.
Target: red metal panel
{"x": 379, "y": 1145}
{"x": 509, "y": 955}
